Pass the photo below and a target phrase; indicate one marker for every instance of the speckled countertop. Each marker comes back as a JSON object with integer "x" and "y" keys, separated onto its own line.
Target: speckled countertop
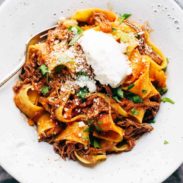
{"x": 176, "y": 177}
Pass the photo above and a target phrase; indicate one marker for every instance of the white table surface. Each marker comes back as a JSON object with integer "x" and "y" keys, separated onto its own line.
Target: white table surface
{"x": 176, "y": 177}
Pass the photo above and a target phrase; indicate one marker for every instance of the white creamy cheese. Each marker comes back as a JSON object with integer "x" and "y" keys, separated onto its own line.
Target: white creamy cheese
{"x": 106, "y": 57}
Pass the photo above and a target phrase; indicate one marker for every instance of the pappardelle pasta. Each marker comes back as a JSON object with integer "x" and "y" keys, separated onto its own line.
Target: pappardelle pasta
{"x": 70, "y": 87}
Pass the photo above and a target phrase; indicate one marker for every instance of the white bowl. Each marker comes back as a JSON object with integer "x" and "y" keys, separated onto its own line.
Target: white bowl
{"x": 151, "y": 160}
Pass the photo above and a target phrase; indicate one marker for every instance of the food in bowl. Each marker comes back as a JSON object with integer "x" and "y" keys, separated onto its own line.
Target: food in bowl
{"x": 94, "y": 85}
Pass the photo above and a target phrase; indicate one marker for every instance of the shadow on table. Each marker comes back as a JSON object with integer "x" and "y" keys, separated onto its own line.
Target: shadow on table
{"x": 176, "y": 177}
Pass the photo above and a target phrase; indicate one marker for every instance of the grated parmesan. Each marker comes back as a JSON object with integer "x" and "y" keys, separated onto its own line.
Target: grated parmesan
{"x": 83, "y": 81}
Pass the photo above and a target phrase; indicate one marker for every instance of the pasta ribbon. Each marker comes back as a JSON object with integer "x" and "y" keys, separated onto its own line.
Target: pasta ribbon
{"x": 143, "y": 86}
{"x": 76, "y": 133}
{"x": 108, "y": 130}
{"x": 46, "y": 127}
{"x": 89, "y": 159}
{"x": 26, "y": 100}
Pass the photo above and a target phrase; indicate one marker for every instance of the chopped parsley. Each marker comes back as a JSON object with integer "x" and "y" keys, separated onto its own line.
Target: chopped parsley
{"x": 82, "y": 93}
{"x": 165, "y": 142}
{"x": 124, "y": 17}
{"x": 116, "y": 98}
{"x": 137, "y": 99}
{"x": 162, "y": 91}
{"x": 75, "y": 29}
{"x": 152, "y": 121}
{"x": 44, "y": 69}
{"x": 81, "y": 73}
{"x": 118, "y": 94}
{"x": 131, "y": 86}
{"x": 45, "y": 90}
{"x": 134, "y": 111}
{"x": 96, "y": 144}
{"x": 133, "y": 97}
{"x": 166, "y": 99}
{"x": 77, "y": 34}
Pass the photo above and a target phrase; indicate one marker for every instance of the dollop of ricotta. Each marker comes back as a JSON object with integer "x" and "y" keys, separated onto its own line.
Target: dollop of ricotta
{"x": 106, "y": 57}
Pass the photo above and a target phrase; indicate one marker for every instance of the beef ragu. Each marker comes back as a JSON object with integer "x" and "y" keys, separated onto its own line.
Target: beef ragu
{"x": 83, "y": 112}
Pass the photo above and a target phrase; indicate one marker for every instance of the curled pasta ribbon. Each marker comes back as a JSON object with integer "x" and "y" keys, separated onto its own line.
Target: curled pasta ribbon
{"x": 59, "y": 112}
{"x": 75, "y": 133}
{"x": 89, "y": 159}
{"x": 108, "y": 130}
{"x": 140, "y": 114}
{"x": 46, "y": 127}
{"x": 143, "y": 83}
{"x": 85, "y": 14}
{"x": 26, "y": 100}
{"x": 113, "y": 147}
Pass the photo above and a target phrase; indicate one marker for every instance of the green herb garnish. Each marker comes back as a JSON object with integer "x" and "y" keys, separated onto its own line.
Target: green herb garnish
{"x": 116, "y": 98}
{"x": 162, "y": 91}
{"x": 81, "y": 73}
{"x": 119, "y": 92}
{"x": 137, "y": 99}
{"x": 96, "y": 144}
{"x": 124, "y": 17}
{"x": 131, "y": 86}
{"x": 82, "y": 93}
{"x": 45, "y": 90}
{"x": 166, "y": 99}
{"x": 165, "y": 142}
{"x": 75, "y": 29}
{"x": 44, "y": 69}
{"x": 134, "y": 111}
{"x": 152, "y": 121}
{"x": 77, "y": 34}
